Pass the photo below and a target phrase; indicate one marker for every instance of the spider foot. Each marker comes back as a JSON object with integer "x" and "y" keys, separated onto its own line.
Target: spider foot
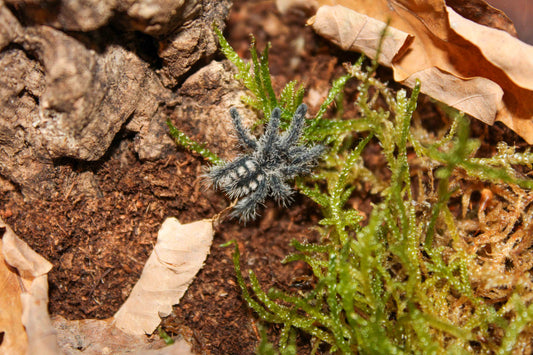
{"x": 245, "y": 210}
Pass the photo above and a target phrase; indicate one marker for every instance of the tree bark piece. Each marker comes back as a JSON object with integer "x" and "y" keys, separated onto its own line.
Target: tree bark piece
{"x": 68, "y": 94}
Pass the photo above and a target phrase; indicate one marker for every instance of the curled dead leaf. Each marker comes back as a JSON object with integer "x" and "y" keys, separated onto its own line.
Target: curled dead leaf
{"x": 26, "y": 326}
{"x": 178, "y": 255}
{"x": 481, "y": 70}
{"x": 100, "y": 336}
{"x": 42, "y": 335}
{"x": 353, "y": 31}
{"x": 14, "y": 339}
{"x": 24, "y": 320}
{"x": 479, "y": 97}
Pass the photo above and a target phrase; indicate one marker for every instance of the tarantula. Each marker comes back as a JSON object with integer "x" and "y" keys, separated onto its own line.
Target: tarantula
{"x": 270, "y": 162}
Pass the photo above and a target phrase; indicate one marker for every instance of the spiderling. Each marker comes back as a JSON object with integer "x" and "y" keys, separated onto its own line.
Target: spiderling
{"x": 269, "y": 163}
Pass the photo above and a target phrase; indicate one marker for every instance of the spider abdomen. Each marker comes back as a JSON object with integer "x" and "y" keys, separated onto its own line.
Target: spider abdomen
{"x": 243, "y": 177}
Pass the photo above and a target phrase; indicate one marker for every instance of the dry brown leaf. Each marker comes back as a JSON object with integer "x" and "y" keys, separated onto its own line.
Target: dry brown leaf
{"x": 20, "y": 256}
{"x": 100, "y": 336}
{"x": 520, "y": 12}
{"x": 480, "y": 70}
{"x": 24, "y": 318}
{"x": 512, "y": 62}
{"x": 284, "y": 5}
{"x": 179, "y": 254}
{"x": 479, "y": 97}
{"x": 36, "y": 320}
{"x": 357, "y": 32}
{"x": 14, "y": 339}
{"x": 25, "y": 324}
{"x": 483, "y": 13}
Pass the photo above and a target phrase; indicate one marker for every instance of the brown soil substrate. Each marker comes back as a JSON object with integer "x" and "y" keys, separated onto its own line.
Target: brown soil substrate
{"x": 98, "y": 245}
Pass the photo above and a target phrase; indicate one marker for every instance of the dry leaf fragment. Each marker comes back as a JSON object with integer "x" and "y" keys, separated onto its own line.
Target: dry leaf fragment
{"x": 483, "y": 13}
{"x": 26, "y": 327}
{"x": 100, "y": 336}
{"x": 24, "y": 319}
{"x": 479, "y": 97}
{"x": 353, "y": 31}
{"x": 19, "y": 255}
{"x": 500, "y": 48}
{"x": 42, "y": 335}
{"x": 14, "y": 339}
{"x": 480, "y": 70}
{"x": 179, "y": 254}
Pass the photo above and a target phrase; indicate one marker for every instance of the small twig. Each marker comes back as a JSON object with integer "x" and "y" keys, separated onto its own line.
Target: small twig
{"x": 221, "y": 216}
{"x": 69, "y": 191}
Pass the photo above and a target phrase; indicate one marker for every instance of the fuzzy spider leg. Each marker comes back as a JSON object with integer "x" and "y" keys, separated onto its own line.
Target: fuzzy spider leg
{"x": 294, "y": 132}
{"x": 309, "y": 155}
{"x": 243, "y": 134}
{"x": 305, "y": 159}
{"x": 223, "y": 175}
{"x": 280, "y": 190}
{"x": 217, "y": 175}
{"x": 267, "y": 140}
{"x": 246, "y": 208}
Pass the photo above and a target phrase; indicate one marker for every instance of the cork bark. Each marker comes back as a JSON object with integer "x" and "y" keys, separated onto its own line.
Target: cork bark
{"x": 76, "y": 73}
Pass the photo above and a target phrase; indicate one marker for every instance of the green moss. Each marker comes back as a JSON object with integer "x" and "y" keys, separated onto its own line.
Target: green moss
{"x": 186, "y": 142}
{"x": 400, "y": 281}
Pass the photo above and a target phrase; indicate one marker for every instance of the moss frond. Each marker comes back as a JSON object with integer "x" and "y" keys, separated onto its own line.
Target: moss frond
{"x": 186, "y": 142}
{"x": 413, "y": 276}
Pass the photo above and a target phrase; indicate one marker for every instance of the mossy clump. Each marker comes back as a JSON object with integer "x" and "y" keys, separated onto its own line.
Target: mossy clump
{"x": 417, "y": 275}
